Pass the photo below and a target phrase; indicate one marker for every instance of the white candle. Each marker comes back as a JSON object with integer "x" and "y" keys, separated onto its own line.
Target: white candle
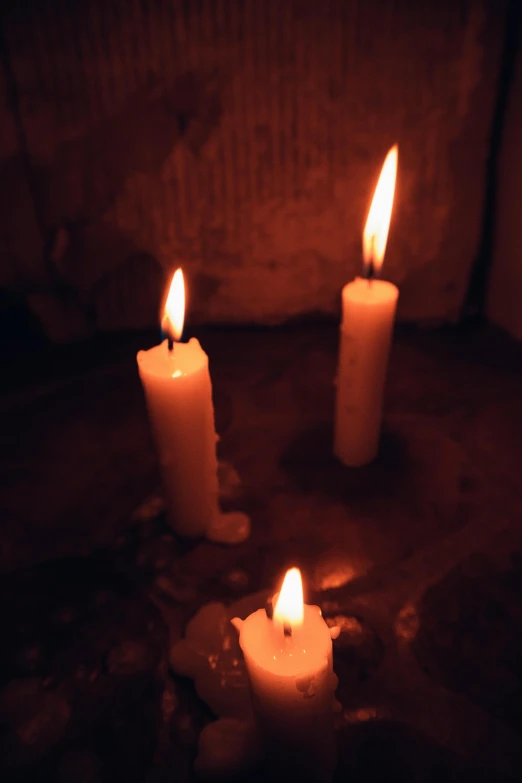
{"x": 178, "y": 391}
{"x": 365, "y": 336}
{"x": 289, "y": 664}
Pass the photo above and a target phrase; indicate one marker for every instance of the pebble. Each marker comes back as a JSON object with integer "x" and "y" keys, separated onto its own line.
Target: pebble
{"x": 156, "y": 554}
{"x": 38, "y": 730}
{"x": 64, "y": 615}
{"x": 185, "y": 730}
{"x": 230, "y": 528}
{"x": 128, "y": 657}
{"x": 16, "y": 695}
{"x": 237, "y": 579}
{"x": 229, "y": 481}
{"x": 407, "y": 623}
{"x": 228, "y": 749}
{"x": 363, "y": 715}
{"x": 173, "y": 590}
{"x": 31, "y": 657}
{"x": 80, "y": 766}
{"x": 333, "y": 571}
{"x": 150, "y": 509}
{"x": 169, "y": 701}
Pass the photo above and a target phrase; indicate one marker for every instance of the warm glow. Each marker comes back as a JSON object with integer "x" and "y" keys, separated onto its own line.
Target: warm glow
{"x": 175, "y": 307}
{"x": 377, "y": 225}
{"x": 290, "y": 606}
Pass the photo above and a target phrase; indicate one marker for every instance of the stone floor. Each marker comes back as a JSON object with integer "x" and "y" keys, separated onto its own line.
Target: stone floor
{"x": 422, "y": 551}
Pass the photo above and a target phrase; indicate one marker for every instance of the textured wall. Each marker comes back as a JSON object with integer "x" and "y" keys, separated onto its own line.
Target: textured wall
{"x": 242, "y": 139}
{"x": 504, "y": 304}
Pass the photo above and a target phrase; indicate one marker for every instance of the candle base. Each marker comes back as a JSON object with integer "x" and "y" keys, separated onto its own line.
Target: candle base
{"x": 355, "y": 458}
{"x": 210, "y": 654}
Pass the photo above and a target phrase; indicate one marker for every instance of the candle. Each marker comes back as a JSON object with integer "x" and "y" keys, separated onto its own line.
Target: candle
{"x": 288, "y": 659}
{"x": 178, "y": 391}
{"x": 367, "y": 323}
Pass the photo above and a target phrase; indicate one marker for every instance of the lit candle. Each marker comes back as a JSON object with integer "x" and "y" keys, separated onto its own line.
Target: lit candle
{"x": 178, "y": 391}
{"x": 367, "y": 324}
{"x": 289, "y": 662}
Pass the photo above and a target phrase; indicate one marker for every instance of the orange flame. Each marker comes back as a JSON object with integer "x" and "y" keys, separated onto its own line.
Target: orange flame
{"x": 377, "y": 225}
{"x": 290, "y": 605}
{"x": 174, "y": 314}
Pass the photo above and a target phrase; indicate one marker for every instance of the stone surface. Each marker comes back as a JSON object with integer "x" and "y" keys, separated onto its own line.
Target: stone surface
{"x": 243, "y": 139}
{"x": 415, "y": 557}
{"x": 82, "y": 675}
{"x": 470, "y": 632}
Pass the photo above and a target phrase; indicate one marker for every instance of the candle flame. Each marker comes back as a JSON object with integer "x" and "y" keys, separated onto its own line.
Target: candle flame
{"x": 174, "y": 312}
{"x": 377, "y": 225}
{"x": 290, "y": 605}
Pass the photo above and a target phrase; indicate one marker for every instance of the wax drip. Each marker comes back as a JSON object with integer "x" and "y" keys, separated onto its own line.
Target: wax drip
{"x": 229, "y": 748}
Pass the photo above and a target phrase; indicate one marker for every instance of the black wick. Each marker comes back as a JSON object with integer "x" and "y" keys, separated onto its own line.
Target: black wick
{"x": 170, "y": 343}
{"x": 369, "y": 271}
{"x": 369, "y": 268}
{"x": 269, "y": 609}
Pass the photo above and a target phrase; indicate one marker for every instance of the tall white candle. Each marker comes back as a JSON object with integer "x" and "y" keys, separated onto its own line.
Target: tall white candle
{"x": 289, "y": 663}
{"x": 365, "y": 336}
{"x": 178, "y": 391}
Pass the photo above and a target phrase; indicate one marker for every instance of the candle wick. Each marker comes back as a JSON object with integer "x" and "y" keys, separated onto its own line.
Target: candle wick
{"x": 287, "y": 630}
{"x": 369, "y": 268}
{"x": 170, "y": 344}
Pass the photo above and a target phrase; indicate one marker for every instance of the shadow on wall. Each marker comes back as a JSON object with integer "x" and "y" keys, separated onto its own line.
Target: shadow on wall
{"x": 93, "y": 274}
{"x": 20, "y": 329}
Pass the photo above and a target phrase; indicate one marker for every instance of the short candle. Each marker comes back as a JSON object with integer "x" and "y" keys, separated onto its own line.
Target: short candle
{"x": 365, "y": 336}
{"x": 178, "y": 391}
{"x": 289, "y": 662}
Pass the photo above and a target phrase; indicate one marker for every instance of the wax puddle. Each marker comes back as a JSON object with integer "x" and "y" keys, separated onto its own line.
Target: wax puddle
{"x": 230, "y": 527}
{"x": 229, "y": 747}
